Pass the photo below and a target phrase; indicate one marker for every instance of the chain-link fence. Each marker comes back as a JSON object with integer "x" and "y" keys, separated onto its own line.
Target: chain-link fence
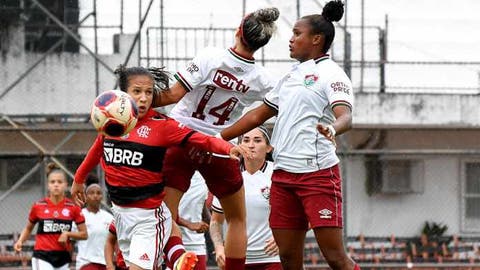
{"x": 57, "y": 58}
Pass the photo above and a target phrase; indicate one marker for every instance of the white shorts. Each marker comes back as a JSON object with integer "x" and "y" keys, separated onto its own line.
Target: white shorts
{"x": 39, "y": 264}
{"x": 142, "y": 234}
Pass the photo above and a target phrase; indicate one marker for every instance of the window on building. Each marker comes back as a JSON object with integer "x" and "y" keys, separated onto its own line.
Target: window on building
{"x": 471, "y": 196}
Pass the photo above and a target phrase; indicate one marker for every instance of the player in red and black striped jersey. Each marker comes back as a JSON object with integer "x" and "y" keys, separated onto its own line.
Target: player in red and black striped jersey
{"x": 133, "y": 173}
{"x": 55, "y": 215}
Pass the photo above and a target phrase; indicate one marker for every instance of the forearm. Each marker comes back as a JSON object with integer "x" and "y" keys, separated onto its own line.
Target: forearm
{"x": 170, "y": 95}
{"x": 210, "y": 144}
{"x": 216, "y": 233}
{"x": 25, "y": 234}
{"x": 183, "y": 222}
{"x": 249, "y": 121}
{"x": 80, "y": 235}
{"x": 109, "y": 253}
{"x": 342, "y": 124}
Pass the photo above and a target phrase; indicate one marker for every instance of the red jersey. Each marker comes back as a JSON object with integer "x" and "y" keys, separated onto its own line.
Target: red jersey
{"x": 120, "y": 262}
{"x": 53, "y": 219}
{"x": 133, "y": 163}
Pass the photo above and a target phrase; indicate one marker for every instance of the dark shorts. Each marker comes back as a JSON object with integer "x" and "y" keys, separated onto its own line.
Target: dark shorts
{"x": 300, "y": 199}
{"x": 263, "y": 266}
{"x": 222, "y": 175}
{"x": 93, "y": 266}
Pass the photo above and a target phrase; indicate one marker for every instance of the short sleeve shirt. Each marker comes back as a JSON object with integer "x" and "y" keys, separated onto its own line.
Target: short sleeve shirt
{"x": 303, "y": 98}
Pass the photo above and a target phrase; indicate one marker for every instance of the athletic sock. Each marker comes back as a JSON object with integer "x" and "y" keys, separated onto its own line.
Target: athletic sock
{"x": 234, "y": 263}
{"x": 173, "y": 249}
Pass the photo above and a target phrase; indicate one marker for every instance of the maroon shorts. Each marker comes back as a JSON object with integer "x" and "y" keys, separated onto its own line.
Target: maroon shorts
{"x": 263, "y": 266}
{"x": 222, "y": 175}
{"x": 300, "y": 199}
{"x": 93, "y": 266}
{"x": 202, "y": 262}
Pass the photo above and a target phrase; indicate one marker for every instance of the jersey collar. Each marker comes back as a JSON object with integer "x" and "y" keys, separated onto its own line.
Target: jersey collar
{"x": 321, "y": 58}
{"x": 248, "y": 60}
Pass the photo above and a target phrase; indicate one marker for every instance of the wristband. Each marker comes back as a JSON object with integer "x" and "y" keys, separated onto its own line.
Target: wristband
{"x": 332, "y": 130}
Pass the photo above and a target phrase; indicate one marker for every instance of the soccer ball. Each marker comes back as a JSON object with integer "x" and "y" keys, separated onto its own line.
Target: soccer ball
{"x": 114, "y": 113}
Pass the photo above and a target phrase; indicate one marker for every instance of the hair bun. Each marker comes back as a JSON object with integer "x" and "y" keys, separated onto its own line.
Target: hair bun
{"x": 333, "y": 11}
{"x": 267, "y": 14}
{"x": 51, "y": 166}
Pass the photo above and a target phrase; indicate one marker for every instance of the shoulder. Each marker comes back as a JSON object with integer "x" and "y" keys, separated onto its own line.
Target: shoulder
{"x": 41, "y": 202}
{"x": 331, "y": 69}
{"x": 158, "y": 116}
{"x": 70, "y": 203}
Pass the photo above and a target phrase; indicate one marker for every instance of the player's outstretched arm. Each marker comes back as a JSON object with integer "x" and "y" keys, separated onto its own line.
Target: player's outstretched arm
{"x": 169, "y": 96}
{"x": 249, "y": 121}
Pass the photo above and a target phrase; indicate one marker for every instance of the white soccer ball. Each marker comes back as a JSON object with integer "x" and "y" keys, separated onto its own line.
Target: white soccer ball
{"x": 114, "y": 113}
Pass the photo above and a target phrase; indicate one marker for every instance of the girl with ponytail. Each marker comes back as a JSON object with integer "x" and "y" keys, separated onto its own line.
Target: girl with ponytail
{"x": 306, "y": 182}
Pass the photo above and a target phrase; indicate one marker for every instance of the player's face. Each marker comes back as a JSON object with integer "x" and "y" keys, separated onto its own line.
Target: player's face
{"x": 302, "y": 42}
{"x": 256, "y": 142}
{"x": 94, "y": 196}
{"x": 140, "y": 87}
{"x": 57, "y": 184}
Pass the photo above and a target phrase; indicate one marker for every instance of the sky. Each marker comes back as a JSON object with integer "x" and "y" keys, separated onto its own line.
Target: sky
{"x": 418, "y": 30}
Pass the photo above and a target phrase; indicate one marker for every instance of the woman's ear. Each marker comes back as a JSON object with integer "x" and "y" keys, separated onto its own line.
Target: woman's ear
{"x": 318, "y": 40}
{"x": 269, "y": 148}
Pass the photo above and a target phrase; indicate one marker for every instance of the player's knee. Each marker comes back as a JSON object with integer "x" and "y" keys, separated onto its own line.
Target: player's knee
{"x": 336, "y": 259}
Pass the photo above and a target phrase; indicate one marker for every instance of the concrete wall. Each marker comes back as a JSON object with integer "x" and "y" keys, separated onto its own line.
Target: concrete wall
{"x": 61, "y": 84}
{"x": 404, "y": 214}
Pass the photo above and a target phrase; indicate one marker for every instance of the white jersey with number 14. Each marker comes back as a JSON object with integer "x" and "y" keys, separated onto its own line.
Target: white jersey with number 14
{"x": 220, "y": 84}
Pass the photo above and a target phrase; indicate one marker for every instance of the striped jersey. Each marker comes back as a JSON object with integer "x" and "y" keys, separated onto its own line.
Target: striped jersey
{"x": 303, "y": 98}
{"x": 133, "y": 163}
{"x": 53, "y": 219}
{"x": 220, "y": 84}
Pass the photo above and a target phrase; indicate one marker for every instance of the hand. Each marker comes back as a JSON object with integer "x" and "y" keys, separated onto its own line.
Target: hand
{"x": 326, "y": 130}
{"x": 110, "y": 266}
{"x": 18, "y": 246}
{"x": 63, "y": 240}
{"x": 240, "y": 150}
{"x": 220, "y": 257}
{"x": 200, "y": 155}
{"x": 78, "y": 193}
{"x": 271, "y": 247}
{"x": 199, "y": 227}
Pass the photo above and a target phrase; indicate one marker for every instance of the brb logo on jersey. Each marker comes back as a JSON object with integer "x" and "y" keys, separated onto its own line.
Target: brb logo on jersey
{"x": 228, "y": 81}
{"x": 121, "y": 156}
{"x": 52, "y": 226}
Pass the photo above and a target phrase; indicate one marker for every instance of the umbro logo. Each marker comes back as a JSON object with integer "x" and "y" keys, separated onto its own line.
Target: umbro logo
{"x": 144, "y": 257}
{"x": 325, "y": 213}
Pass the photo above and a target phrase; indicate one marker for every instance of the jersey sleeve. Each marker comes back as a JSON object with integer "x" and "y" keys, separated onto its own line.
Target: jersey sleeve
{"x": 195, "y": 71}
{"x": 271, "y": 98}
{"x": 79, "y": 218}
{"x": 339, "y": 91}
{"x": 32, "y": 216}
{"x": 178, "y": 134}
{"x": 216, "y": 206}
{"x": 111, "y": 228}
{"x": 91, "y": 160}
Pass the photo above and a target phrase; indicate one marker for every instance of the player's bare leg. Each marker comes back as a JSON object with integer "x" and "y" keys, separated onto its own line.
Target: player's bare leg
{"x": 330, "y": 241}
{"x": 235, "y": 215}
{"x": 172, "y": 200}
{"x": 290, "y": 245}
